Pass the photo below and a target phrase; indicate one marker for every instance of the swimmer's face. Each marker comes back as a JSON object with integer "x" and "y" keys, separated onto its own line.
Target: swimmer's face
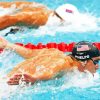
{"x": 58, "y": 16}
{"x": 91, "y": 65}
{"x": 95, "y": 61}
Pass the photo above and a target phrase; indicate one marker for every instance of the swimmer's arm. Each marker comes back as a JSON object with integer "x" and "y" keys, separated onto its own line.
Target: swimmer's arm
{"x": 22, "y": 51}
{"x": 45, "y": 73}
{"x": 7, "y": 20}
{"x": 30, "y": 15}
{"x": 53, "y": 71}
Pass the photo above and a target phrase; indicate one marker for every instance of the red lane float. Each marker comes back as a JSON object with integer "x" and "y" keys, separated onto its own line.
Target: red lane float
{"x": 61, "y": 46}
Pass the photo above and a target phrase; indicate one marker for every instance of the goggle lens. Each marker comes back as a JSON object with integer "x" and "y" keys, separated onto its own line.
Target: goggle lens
{"x": 95, "y": 61}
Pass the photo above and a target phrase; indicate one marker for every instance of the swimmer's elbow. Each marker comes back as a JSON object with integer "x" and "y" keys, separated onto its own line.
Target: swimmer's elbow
{"x": 26, "y": 54}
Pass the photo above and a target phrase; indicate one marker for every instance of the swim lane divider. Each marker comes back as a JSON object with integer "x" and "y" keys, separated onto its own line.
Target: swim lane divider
{"x": 60, "y": 46}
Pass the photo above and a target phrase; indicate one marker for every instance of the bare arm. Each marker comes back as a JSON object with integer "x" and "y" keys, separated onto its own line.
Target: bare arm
{"x": 32, "y": 14}
{"x": 60, "y": 64}
{"x": 22, "y": 51}
{"x": 41, "y": 68}
{"x": 28, "y": 53}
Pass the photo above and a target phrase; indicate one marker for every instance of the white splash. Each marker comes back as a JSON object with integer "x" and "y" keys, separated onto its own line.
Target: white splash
{"x": 84, "y": 22}
{"x": 8, "y": 11}
{"x": 74, "y": 78}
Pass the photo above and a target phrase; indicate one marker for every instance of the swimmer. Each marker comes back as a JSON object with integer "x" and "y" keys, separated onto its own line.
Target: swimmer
{"x": 35, "y": 14}
{"x": 45, "y": 64}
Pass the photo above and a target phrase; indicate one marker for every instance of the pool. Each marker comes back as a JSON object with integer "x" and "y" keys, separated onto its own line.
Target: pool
{"x": 66, "y": 87}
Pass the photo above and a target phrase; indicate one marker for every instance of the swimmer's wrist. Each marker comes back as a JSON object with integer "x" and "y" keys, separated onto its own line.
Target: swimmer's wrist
{"x": 10, "y": 46}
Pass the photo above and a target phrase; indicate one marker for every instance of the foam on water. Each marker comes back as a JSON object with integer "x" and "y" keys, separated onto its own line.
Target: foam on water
{"x": 79, "y": 79}
{"x": 6, "y": 11}
{"x": 84, "y": 22}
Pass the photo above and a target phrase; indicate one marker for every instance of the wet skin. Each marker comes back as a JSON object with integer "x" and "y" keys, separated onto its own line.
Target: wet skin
{"x": 89, "y": 65}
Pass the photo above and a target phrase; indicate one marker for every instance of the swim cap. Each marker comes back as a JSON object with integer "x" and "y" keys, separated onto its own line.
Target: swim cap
{"x": 85, "y": 50}
{"x": 67, "y": 11}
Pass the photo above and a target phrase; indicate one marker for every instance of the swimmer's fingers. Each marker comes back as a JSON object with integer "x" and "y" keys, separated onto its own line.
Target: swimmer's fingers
{"x": 28, "y": 78}
{"x": 14, "y": 80}
{"x": 16, "y": 77}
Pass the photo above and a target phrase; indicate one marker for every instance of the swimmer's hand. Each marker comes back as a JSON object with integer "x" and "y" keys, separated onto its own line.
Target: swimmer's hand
{"x": 15, "y": 80}
{"x": 3, "y": 43}
{"x": 12, "y": 31}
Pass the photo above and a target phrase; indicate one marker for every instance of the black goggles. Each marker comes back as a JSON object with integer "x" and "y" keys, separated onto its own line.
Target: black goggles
{"x": 95, "y": 61}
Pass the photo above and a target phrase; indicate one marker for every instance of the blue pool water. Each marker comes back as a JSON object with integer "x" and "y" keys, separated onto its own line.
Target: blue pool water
{"x": 65, "y": 88}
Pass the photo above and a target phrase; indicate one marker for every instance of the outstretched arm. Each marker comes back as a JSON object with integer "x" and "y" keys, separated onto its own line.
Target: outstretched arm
{"x": 39, "y": 68}
{"x": 26, "y": 13}
{"x": 22, "y": 51}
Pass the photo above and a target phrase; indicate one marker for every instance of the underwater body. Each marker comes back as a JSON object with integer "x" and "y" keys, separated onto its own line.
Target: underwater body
{"x": 72, "y": 86}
